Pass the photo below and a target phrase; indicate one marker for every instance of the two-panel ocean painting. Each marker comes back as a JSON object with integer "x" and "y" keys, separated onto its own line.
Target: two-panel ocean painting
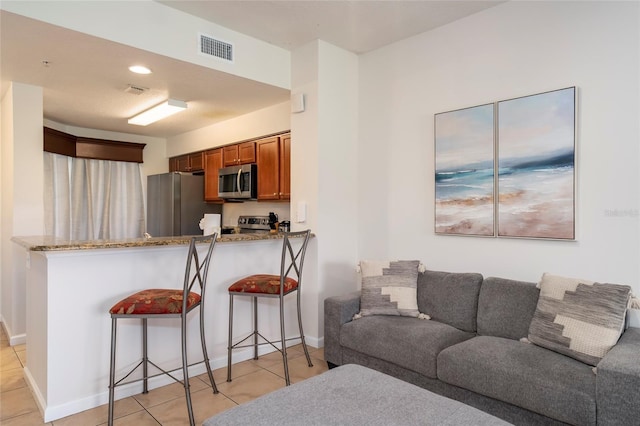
{"x": 507, "y": 168}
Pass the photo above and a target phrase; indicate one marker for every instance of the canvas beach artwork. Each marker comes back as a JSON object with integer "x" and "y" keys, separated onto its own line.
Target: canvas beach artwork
{"x": 536, "y": 166}
{"x": 464, "y": 171}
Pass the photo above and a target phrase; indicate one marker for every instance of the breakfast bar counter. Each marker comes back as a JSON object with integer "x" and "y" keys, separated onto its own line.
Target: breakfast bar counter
{"x": 48, "y": 243}
{"x": 71, "y": 285}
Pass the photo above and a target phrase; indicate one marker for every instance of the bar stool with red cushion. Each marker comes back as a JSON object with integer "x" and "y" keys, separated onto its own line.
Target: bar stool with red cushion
{"x": 164, "y": 304}
{"x": 275, "y": 286}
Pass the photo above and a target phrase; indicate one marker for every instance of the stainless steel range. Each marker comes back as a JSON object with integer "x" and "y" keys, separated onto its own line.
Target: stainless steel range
{"x": 253, "y": 224}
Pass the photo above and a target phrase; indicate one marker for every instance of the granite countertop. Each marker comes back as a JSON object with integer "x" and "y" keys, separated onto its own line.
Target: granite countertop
{"x": 48, "y": 243}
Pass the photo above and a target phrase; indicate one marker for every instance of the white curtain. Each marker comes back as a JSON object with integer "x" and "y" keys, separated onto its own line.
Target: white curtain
{"x": 92, "y": 199}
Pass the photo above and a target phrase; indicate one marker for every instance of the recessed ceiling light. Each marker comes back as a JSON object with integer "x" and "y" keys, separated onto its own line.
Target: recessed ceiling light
{"x": 139, "y": 69}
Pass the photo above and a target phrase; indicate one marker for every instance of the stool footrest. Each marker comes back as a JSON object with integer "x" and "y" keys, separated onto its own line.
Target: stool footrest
{"x": 266, "y": 342}
{"x": 162, "y": 372}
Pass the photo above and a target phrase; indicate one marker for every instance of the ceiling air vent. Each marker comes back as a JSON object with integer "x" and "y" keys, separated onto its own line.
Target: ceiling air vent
{"x": 135, "y": 90}
{"x": 212, "y": 47}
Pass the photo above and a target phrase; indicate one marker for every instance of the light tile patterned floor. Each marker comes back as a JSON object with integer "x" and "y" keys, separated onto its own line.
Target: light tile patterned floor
{"x": 161, "y": 406}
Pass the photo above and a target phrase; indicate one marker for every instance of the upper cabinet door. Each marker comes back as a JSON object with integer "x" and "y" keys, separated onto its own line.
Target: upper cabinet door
{"x": 187, "y": 163}
{"x": 182, "y": 164}
{"x": 273, "y": 156}
{"x": 285, "y": 167}
{"x": 212, "y": 163}
{"x": 196, "y": 162}
{"x": 242, "y": 153}
{"x": 268, "y": 161}
{"x": 247, "y": 152}
{"x": 230, "y": 155}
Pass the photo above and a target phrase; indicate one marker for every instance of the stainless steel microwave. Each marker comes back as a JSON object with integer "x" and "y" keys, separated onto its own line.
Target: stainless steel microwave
{"x": 238, "y": 182}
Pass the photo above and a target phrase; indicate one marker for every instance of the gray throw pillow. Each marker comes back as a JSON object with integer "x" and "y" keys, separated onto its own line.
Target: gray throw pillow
{"x": 579, "y": 318}
{"x": 389, "y": 288}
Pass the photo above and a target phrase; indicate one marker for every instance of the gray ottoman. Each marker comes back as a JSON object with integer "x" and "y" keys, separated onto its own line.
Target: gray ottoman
{"x": 351, "y": 395}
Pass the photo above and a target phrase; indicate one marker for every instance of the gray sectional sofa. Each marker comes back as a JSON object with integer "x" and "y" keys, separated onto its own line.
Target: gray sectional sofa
{"x": 471, "y": 351}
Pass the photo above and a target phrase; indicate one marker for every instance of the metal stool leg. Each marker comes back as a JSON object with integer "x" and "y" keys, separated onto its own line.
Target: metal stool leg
{"x": 255, "y": 327}
{"x": 284, "y": 344}
{"x": 230, "y": 347}
{"x": 185, "y": 369}
{"x": 204, "y": 351}
{"x": 112, "y": 371}
{"x": 145, "y": 357}
{"x": 304, "y": 344}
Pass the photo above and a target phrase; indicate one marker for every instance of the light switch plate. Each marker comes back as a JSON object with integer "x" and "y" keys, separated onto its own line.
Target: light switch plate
{"x": 297, "y": 103}
{"x": 301, "y": 213}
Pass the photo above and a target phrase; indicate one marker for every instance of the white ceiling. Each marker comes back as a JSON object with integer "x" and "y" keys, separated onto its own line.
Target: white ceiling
{"x": 84, "y": 83}
{"x": 357, "y": 26}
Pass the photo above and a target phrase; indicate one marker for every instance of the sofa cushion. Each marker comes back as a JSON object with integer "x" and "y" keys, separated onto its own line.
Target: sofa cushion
{"x": 505, "y": 307}
{"x": 408, "y": 342}
{"x": 451, "y": 298}
{"x": 579, "y": 318}
{"x": 389, "y": 288}
{"x": 522, "y": 374}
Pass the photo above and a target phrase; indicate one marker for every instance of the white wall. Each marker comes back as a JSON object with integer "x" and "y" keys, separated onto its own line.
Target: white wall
{"x": 324, "y": 167}
{"x": 22, "y": 196}
{"x": 514, "y": 49}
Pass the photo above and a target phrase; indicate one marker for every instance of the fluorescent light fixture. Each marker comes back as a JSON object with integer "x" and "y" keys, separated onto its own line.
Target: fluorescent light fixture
{"x": 139, "y": 69}
{"x": 158, "y": 112}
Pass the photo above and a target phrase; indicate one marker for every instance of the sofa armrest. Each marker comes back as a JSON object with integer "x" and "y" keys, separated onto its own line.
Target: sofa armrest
{"x": 338, "y": 310}
{"x": 618, "y": 382}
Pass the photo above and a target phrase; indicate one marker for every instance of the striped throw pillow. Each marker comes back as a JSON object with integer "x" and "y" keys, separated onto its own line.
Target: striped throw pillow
{"x": 579, "y": 318}
{"x": 389, "y": 288}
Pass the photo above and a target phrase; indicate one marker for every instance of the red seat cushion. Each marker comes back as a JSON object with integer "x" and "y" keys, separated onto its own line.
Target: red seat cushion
{"x": 263, "y": 283}
{"x": 154, "y": 301}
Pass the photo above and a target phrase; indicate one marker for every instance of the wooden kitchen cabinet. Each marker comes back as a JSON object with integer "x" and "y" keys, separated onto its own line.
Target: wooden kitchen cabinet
{"x": 67, "y": 144}
{"x": 177, "y": 164}
{"x": 187, "y": 163}
{"x": 241, "y": 153}
{"x": 212, "y": 163}
{"x": 285, "y": 167}
{"x": 273, "y": 157}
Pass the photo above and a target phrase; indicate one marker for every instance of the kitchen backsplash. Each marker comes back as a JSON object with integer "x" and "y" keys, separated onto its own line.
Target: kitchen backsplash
{"x": 231, "y": 211}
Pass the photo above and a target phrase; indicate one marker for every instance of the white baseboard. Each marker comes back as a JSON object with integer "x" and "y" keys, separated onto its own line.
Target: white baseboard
{"x": 52, "y": 413}
{"x": 315, "y": 341}
{"x": 37, "y": 395}
{"x": 17, "y": 339}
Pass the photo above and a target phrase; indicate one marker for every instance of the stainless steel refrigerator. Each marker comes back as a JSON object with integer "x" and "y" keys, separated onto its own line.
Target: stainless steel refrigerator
{"x": 175, "y": 204}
